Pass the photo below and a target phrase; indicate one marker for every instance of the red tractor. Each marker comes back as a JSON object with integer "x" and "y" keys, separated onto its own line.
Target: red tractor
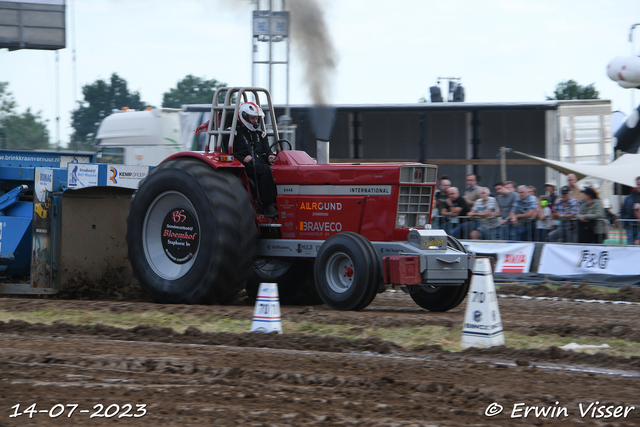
{"x": 343, "y": 231}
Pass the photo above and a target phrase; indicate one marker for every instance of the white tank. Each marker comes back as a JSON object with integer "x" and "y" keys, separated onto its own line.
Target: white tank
{"x": 625, "y": 70}
{"x": 139, "y": 137}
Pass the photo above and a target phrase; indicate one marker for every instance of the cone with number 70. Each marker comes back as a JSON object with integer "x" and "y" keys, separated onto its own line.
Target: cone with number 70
{"x": 266, "y": 315}
{"x": 482, "y": 323}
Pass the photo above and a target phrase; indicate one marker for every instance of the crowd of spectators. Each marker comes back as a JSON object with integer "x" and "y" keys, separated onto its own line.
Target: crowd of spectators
{"x": 511, "y": 212}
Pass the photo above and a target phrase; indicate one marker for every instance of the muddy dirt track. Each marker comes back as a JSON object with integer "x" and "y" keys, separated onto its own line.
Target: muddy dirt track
{"x": 157, "y": 377}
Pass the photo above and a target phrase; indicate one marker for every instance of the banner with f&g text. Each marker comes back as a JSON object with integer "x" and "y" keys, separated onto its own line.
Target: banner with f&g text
{"x": 568, "y": 260}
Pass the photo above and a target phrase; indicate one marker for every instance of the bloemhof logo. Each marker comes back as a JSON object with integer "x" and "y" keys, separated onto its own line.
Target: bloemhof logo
{"x": 180, "y": 235}
{"x": 114, "y": 174}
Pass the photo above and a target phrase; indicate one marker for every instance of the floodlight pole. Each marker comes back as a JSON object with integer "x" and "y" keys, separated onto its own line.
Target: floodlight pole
{"x": 272, "y": 27}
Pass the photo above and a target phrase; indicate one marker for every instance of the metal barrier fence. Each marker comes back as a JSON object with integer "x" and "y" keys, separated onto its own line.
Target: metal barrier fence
{"x": 621, "y": 232}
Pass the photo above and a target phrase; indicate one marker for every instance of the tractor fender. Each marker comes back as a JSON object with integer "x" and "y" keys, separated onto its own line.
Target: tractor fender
{"x": 212, "y": 158}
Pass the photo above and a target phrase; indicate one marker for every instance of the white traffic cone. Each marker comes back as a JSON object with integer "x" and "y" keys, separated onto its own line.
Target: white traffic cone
{"x": 482, "y": 323}
{"x": 266, "y": 315}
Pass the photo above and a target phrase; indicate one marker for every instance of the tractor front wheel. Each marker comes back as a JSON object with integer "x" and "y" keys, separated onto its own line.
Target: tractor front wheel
{"x": 442, "y": 298}
{"x": 347, "y": 272}
{"x": 294, "y": 279}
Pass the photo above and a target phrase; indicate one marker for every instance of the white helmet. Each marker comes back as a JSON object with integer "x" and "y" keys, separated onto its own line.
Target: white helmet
{"x": 247, "y": 110}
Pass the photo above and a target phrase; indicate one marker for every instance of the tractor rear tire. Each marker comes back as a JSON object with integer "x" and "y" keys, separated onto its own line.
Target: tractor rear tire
{"x": 375, "y": 281}
{"x": 347, "y": 272}
{"x": 442, "y": 298}
{"x": 294, "y": 279}
{"x": 191, "y": 233}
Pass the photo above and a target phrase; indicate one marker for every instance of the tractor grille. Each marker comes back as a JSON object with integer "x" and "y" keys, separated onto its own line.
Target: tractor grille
{"x": 418, "y": 174}
{"x": 414, "y": 204}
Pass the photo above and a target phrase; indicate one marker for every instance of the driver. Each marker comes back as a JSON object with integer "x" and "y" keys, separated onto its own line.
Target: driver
{"x": 251, "y": 147}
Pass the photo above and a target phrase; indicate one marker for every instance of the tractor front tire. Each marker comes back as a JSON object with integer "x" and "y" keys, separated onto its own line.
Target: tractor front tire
{"x": 347, "y": 272}
{"x": 191, "y": 233}
{"x": 294, "y": 279}
{"x": 442, "y": 298}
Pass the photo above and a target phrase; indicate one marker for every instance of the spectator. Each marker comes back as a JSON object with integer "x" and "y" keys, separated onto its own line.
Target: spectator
{"x": 628, "y": 211}
{"x": 511, "y": 186}
{"x": 443, "y": 188}
{"x": 544, "y": 222}
{"x": 565, "y": 209}
{"x": 533, "y": 191}
{"x": 590, "y": 184}
{"x": 486, "y": 208}
{"x": 550, "y": 189}
{"x": 453, "y": 208}
{"x": 591, "y": 218}
{"x": 635, "y": 238}
{"x": 506, "y": 200}
{"x": 576, "y": 191}
{"x": 523, "y": 213}
{"x": 441, "y": 195}
{"x": 611, "y": 217}
{"x": 472, "y": 191}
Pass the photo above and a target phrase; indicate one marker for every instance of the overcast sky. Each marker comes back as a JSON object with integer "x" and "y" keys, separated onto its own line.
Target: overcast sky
{"x": 385, "y": 52}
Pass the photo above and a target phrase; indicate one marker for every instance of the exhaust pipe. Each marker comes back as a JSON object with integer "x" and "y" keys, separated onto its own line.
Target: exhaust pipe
{"x": 322, "y": 151}
{"x": 322, "y": 120}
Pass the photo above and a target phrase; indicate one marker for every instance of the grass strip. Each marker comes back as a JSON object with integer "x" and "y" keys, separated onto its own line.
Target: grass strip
{"x": 407, "y": 337}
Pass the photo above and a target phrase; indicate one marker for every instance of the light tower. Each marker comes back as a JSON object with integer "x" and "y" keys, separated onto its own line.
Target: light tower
{"x": 270, "y": 47}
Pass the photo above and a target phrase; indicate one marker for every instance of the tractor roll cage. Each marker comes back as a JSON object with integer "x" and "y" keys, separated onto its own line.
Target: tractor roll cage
{"x": 220, "y": 115}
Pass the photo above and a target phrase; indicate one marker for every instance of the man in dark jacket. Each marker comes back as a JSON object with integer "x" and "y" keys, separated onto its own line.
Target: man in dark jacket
{"x": 251, "y": 147}
{"x": 454, "y": 210}
{"x": 628, "y": 212}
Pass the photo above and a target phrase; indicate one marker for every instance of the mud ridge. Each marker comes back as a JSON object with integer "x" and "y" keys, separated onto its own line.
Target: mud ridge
{"x": 301, "y": 342}
{"x": 627, "y": 293}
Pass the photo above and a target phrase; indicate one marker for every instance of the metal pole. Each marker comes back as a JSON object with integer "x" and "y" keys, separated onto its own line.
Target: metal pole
{"x": 270, "y": 40}
{"x": 288, "y": 107}
{"x": 423, "y": 125}
{"x": 57, "y": 99}
{"x": 74, "y": 63}
{"x": 503, "y": 164}
{"x": 475, "y": 140}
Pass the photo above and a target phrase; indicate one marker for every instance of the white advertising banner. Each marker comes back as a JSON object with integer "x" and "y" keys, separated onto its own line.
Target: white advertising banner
{"x": 510, "y": 257}
{"x": 568, "y": 260}
{"x": 81, "y": 175}
{"x": 126, "y": 176}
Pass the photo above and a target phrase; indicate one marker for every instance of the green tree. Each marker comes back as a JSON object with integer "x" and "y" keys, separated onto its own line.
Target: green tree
{"x": 191, "y": 90}
{"x": 570, "y": 89}
{"x": 100, "y": 99}
{"x": 7, "y": 103}
{"x": 20, "y": 131}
